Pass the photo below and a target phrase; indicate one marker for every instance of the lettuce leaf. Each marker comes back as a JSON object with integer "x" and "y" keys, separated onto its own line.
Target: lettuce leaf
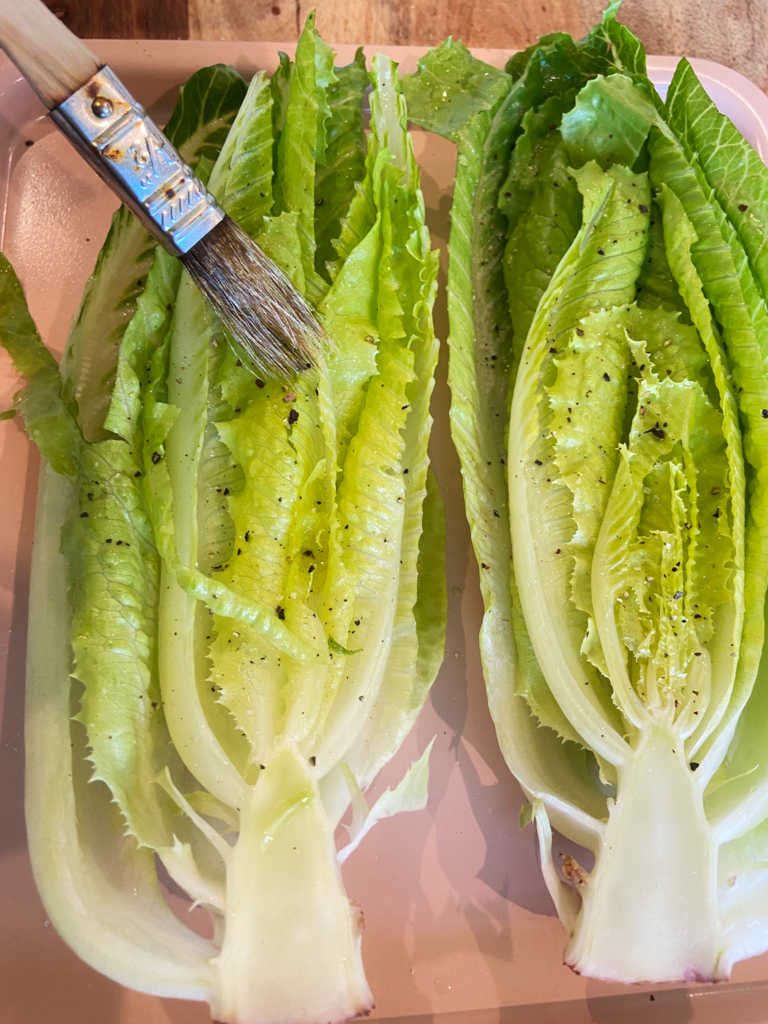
{"x": 47, "y": 419}
{"x": 253, "y": 585}
{"x": 302, "y": 144}
{"x": 343, "y": 164}
{"x": 621, "y": 648}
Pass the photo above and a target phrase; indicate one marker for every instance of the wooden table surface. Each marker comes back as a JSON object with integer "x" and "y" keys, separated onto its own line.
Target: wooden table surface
{"x": 734, "y": 32}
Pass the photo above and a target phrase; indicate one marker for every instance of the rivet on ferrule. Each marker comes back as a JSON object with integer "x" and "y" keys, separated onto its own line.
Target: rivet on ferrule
{"x": 102, "y": 107}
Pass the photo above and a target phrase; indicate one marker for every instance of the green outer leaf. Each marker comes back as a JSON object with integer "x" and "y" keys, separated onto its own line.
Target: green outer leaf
{"x": 656, "y": 286}
{"x": 451, "y": 88}
{"x": 203, "y": 169}
{"x": 125, "y": 721}
{"x": 362, "y": 213}
{"x": 280, "y": 240}
{"x": 19, "y": 336}
{"x": 531, "y": 154}
{"x": 625, "y": 48}
{"x": 680, "y": 238}
{"x": 243, "y": 178}
{"x": 414, "y": 269}
{"x": 144, "y": 334}
{"x": 734, "y": 171}
{"x": 540, "y": 239}
{"x": 295, "y": 178}
{"x": 609, "y": 122}
{"x": 729, "y": 287}
{"x": 112, "y": 569}
{"x": 518, "y": 62}
{"x": 731, "y": 173}
{"x": 106, "y": 308}
{"x": 344, "y": 163}
{"x": 281, "y": 91}
{"x": 46, "y": 418}
{"x": 325, "y": 77}
{"x": 480, "y": 328}
{"x": 207, "y": 105}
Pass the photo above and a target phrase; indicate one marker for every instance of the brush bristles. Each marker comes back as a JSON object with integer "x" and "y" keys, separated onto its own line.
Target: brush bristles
{"x": 264, "y": 312}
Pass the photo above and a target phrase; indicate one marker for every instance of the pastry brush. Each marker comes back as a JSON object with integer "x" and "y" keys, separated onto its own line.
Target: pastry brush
{"x": 86, "y": 100}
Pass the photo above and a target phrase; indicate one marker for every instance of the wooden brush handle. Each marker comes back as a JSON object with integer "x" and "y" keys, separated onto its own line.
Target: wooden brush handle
{"x": 51, "y": 58}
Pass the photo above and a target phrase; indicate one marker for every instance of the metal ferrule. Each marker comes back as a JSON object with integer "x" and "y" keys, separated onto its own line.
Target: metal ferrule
{"x": 128, "y": 150}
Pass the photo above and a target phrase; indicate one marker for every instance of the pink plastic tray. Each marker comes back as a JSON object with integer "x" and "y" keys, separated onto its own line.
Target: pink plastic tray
{"x": 459, "y": 926}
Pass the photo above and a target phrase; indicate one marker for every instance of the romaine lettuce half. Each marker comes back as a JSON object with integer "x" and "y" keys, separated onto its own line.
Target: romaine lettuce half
{"x": 607, "y": 298}
{"x": 238, "y": 596}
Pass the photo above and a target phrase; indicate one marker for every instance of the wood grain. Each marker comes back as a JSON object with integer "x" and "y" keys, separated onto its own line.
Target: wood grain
{"x": 513, "y": 24}
{"x": 124, "y": 19}
{"x": 733, "y": 32}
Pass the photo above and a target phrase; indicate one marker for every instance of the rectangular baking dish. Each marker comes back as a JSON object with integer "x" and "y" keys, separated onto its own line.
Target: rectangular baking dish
{"x": 459, "y": 926}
